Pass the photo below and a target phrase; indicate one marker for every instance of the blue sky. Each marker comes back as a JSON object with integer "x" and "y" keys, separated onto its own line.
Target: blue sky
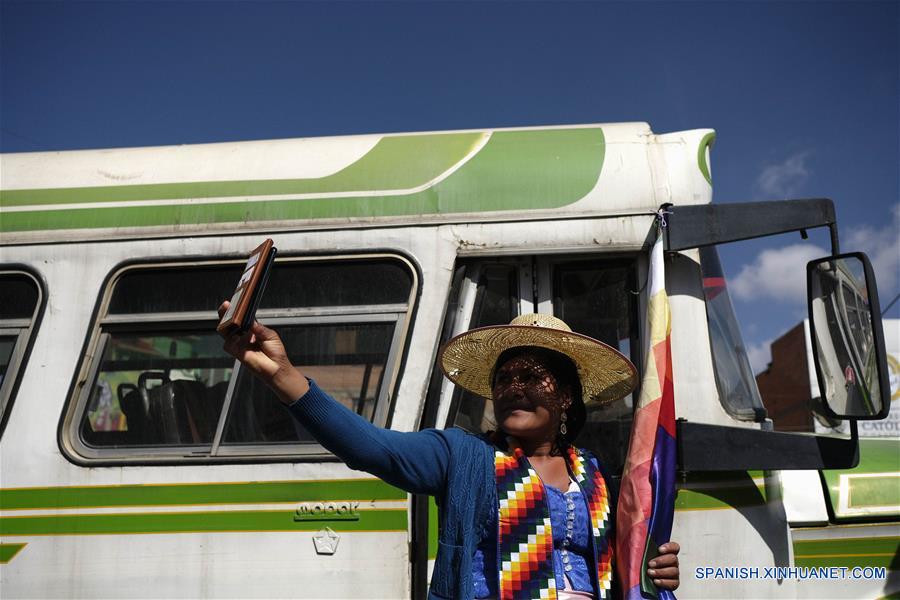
{"x": 804, "y": 95}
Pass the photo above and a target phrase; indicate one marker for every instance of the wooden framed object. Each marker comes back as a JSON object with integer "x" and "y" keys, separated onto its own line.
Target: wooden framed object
{"x": 242, "y": 311}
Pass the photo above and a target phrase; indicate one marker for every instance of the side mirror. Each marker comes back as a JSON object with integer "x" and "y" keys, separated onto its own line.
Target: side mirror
{"x": 848, "y": 341}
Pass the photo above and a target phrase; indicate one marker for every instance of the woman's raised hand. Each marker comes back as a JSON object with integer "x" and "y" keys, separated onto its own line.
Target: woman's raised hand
{"x": 261, "y": 350}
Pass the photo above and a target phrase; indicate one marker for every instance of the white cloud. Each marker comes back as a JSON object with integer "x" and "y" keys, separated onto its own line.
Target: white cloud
{"x": 778, "y": 274}
{"x": 760, "y": 356}
{"x": 882, "y": 245}
{"x": 784, "y": 179}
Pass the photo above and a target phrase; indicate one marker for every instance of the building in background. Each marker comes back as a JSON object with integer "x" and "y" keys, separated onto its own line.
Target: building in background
{"x": 790, "y": 391}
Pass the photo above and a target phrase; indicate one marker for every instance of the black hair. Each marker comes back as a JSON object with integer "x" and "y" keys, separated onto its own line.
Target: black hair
{"x": 566, "y": 374}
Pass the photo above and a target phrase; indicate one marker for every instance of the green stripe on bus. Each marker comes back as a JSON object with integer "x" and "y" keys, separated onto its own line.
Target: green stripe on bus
{"x": 516, "y": 170}
{"x": 874, "y": 491}
{"x": 849, "y": 552}
{"x": 702, "y": 162}
{"x": 187, "y": 494}
{"x": 189, "y": 522}
{"x": 432, "y": 528}
{"x": 889, "y": 561}
{"x": 727, "y": 489}
{"x": 863, "y": 545}
{"x": 8, "y": 551}
{"x": 714, "y": 498}
{"x": 395, "y": 162}
{"x": 875, "y": 456}
{"x": 737, "y": 478}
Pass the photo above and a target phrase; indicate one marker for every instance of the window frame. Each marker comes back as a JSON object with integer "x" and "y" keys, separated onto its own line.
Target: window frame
{"x": 470, "y": 300}
{"x": 25, "y": 331}
{"x": 104, "y": 325}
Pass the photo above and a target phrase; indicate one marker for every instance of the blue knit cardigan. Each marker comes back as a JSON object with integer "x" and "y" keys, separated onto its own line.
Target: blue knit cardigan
{"x": 454, "y": 466}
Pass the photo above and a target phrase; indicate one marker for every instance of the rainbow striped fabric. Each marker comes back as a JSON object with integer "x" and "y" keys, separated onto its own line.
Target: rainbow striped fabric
{"x": 597, "y": 494}
{"x": 525, "y": 538}
{"x": 647, "y": 495}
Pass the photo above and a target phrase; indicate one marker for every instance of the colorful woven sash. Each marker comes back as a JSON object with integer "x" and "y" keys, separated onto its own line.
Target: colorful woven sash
{"x": 524, "y": 536}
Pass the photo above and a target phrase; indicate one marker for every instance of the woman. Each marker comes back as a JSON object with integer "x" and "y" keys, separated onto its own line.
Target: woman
{"x": 522, "y": 513}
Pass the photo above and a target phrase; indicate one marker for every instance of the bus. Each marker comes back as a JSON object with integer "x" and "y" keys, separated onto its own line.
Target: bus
{"x": 139, "y": 460}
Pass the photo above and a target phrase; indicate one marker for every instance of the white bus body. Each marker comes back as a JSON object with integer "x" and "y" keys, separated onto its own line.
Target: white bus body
{"x": 473, "y": 225}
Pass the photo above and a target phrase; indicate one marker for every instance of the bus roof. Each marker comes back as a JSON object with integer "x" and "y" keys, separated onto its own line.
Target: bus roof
{"x": 361, "y": 180}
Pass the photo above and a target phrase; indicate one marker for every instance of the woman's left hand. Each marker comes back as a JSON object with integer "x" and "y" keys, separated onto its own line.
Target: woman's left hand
{"x": 664, "y": 568}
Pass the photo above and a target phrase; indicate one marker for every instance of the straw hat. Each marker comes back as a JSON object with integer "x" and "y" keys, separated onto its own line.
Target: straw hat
{"x": 468, "y": 359}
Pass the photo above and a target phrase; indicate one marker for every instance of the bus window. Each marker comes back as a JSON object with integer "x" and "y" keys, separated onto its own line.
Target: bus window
{"x": 7, "y": 345}
{"x": 21, "y": 303}
{"x": 737, "y": 388}
{"x": 156, "y": 389}
{"x": 347, "y": 359}
{"x": 162, "y": 387}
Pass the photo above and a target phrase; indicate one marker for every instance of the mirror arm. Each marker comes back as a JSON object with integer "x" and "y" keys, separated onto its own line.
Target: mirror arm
{"x": 707, "y": 447}
{"x": 698, "y": 225}
{"x": 835, "y": 245}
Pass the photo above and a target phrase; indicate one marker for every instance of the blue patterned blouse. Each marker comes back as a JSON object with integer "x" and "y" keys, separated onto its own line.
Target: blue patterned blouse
{"x": 571, "y": 545}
